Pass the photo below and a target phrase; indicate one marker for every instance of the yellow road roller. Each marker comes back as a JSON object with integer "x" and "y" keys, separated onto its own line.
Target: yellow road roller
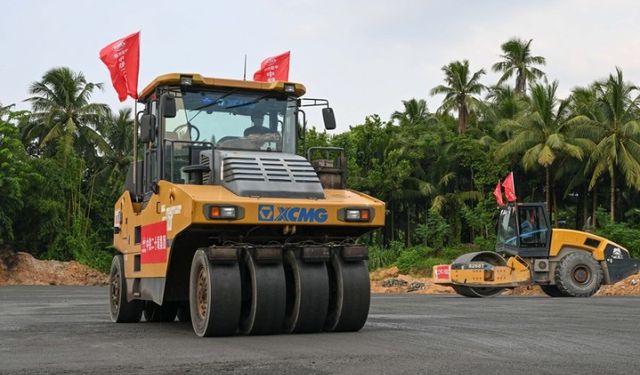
{"x": 563, "y": 262}
{"x": 223, "y": 224}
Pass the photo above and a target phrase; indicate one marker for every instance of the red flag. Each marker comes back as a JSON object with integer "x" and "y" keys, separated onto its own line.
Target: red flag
{"x": 273, "y": 69}
{"x": 509, "y": 188}
{"x": 498, "y": 194}
{"x": 122, "y": 58}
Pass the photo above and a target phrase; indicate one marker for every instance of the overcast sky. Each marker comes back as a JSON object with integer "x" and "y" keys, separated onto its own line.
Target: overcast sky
{"x": 364, "y": 56}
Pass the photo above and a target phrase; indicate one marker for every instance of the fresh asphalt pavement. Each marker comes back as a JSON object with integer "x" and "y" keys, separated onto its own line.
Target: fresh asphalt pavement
{"x": 54, "y": 329}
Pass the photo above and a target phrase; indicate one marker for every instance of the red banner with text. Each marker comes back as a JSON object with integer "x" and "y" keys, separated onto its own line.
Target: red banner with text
{"x": 122, "y": 58}
{"x": 154, "y": 243}
{"x": 274, "y": 68}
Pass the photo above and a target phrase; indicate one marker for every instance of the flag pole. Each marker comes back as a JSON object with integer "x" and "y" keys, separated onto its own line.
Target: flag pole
{"x": 135, "y": 148}
{"x": 244, "y": 73}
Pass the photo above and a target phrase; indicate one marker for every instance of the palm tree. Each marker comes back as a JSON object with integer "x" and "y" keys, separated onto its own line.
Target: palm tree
{"x": 118, "y": 133}
{"x": 616, "y": 131}
{"x": 459, "y": 91}
{"x": 543, "y": 133}
{"x": 517, "y": 59}
{"x": 62, "y": 111}
{"x": 415, "y": 112}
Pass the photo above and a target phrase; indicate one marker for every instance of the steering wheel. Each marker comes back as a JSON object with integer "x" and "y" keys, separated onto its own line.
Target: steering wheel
{"x": 189, "y": 127}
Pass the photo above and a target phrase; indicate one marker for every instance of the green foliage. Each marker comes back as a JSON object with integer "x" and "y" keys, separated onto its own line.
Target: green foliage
{"x": 381, "y": 257}
{"x": 416, "y": 259}
{"x": 62, "y": 164}
{"x": 625, "y": 234}
{"x": 14, "y": 172}
{"x": 435, "y": 231}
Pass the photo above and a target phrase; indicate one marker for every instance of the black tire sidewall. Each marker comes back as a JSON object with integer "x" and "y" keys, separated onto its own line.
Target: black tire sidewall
{"x": 200, "y": 260}
{"x": 127, "y": 312}
{"x": 564, "y": 279}
{"x": 115, "y": 267}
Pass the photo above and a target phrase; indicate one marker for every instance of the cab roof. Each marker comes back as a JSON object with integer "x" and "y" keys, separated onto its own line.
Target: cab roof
{"x": 199, "y": 80}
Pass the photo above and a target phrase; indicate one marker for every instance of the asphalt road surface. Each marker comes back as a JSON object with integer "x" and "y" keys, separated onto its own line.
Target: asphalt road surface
{"x": 67, "y": 330}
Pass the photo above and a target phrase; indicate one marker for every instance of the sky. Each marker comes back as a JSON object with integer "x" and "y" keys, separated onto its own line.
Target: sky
{"x": 366, "y": 57}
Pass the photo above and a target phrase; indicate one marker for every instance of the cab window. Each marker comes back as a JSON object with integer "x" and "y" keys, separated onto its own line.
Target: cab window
{"x": 533, "y": 227}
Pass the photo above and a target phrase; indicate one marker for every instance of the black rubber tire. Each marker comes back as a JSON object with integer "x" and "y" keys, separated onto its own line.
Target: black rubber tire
{"x": 552, "y": 291}
{"x": 575, "y": 267}
{"x": 220, "y": 292}
{"x": 184, "y": 313}
{"x": 476, "y": 292}
{"x": 155, "y": 313}
{"x": 121, "y": 310}
{"x": 264, "y": 297}
{"x": 349, "y": 296}
{"x": 307, "y": 294}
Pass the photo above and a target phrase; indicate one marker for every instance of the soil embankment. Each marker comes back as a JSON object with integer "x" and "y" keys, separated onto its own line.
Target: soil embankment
{"x": 390, "y": 280}
{"x": 18, "y": 268}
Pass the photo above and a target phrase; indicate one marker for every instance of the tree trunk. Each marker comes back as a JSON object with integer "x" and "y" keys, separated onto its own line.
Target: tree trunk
{"x": 520, "y": 84}
{"x": 462, "y": 119}
{"x": 594, "y": 191}
{"x": 613, "y": 195}
{"x": 393, "y": 214}
{"x": 547, "y": 188}
{"x": 407, "y": 234}
{"x": 584, "y": 207}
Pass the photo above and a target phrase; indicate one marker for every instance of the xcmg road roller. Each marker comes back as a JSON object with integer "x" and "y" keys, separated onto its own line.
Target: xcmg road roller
{"x": 563, "y": 262}
{"x": 223, "y": 224}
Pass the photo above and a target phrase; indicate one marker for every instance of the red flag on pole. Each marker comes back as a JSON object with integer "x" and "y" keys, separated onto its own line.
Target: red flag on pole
{"x": 122, "y": 58}
{"x": 509, "y": 188}
{"x": 498, "y": 194}
{"x": 273, "y": 69}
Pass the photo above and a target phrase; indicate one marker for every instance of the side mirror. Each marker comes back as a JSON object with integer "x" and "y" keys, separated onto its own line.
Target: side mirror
{"x": 168, "y": 106}
{"x": 148, "y": 128}
{"x": 329, "y": 118}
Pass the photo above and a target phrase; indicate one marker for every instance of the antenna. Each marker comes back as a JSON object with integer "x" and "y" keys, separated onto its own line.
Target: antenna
{"x": 244, "y": 74}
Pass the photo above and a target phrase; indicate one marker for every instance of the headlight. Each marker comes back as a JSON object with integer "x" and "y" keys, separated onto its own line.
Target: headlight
{"x": 290, "y": 88}
{"x": 222, "y": 212}
{"x": 355, "y": 214}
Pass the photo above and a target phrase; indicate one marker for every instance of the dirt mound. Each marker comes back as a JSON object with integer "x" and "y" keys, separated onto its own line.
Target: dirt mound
{"x": 23, "y": 269}
{"x": 390, "y": 280}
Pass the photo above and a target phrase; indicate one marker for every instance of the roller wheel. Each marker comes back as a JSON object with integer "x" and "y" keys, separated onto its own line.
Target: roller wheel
{"x": 476, "y": 292}
{"x": 263, "y": 297}
{"x": 214, "y": 296}
{"x": 349, "y": 296}
{"x": 552, "y": 291}
{"x": 307, "y": 294}
{"x": 121, "y": 310}
{"x": 578, "y": 275}
{"x": 184, "y": 313}
{"x": 156, "y": 313}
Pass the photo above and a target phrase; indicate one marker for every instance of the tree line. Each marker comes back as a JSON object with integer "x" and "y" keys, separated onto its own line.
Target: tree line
{"x": 63, "y": 162}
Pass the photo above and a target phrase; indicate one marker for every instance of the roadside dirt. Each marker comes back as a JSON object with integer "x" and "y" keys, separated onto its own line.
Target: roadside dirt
{"x": 23, "y": 269}
{"x": 389, "y": 280}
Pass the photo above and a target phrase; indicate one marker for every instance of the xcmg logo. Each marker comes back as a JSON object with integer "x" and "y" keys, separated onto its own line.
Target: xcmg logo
{"x": 269, "y": 212}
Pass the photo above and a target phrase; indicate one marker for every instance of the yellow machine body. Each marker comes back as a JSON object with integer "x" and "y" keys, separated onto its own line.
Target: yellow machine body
{"x": 222, "y": 222}
{"x": 182, "y": 206}
{"x": 529, "y": 252}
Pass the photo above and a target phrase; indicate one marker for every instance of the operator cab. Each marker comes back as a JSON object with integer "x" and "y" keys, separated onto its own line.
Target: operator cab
{"x": 192, "y": 124}
{"x": 523, "y": 230}
{"x": 226, "y": 120}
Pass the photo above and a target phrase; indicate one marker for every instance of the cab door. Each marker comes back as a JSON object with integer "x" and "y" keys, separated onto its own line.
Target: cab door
{"x": 534, "y": 231}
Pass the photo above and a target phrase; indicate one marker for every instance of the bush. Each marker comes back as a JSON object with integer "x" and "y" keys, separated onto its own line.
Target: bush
{"x": 452, "y": 252}
{"x": 380, "y": 257}
{"x": 419, "y": 259}
{"x": 623, "y": 234}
